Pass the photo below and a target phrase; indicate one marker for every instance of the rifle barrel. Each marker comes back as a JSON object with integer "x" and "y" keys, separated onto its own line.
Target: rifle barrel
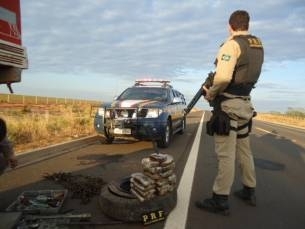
{"x": 195, "y": 99}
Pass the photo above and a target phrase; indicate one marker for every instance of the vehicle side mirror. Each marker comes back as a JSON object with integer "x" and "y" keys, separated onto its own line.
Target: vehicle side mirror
{"x": 177, "y": 100}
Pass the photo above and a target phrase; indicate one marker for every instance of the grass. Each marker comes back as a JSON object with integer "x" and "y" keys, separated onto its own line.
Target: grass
{"x": 296, "y": 119}
{"x": 31, "y": 127}
{"x": 36, "y": 126}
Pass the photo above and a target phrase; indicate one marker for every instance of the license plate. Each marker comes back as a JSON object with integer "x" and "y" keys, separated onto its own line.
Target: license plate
{"x": 122, "y": 131}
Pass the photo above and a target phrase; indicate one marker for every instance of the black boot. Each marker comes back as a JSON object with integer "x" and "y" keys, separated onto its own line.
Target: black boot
{"x": 216, "y": 204}
{"x": 247, "y": 194}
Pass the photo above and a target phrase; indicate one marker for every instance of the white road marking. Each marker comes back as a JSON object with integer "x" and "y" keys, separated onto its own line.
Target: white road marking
{"x": 266, "y": 131}
{"x": 177, "y": 218}
{"x": 269, "y": 132}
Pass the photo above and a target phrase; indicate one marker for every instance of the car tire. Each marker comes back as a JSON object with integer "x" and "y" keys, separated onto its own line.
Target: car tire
{"x": 132, "y": 209}
{"x": 166, "y": 136}
{"x": 183, "y": 126}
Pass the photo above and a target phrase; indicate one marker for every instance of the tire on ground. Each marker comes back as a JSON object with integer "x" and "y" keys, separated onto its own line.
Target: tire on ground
{"x": 131, "y": 210}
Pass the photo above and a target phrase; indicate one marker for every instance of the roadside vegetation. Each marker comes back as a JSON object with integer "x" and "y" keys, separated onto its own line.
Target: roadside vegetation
{"x": 32, "y": 126}
{"x": 291, "y": 117}
{"x": 36, "y": 126}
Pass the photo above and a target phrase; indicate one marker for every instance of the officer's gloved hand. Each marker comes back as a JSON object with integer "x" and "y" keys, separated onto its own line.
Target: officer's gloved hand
{"x": 206, "y": 94}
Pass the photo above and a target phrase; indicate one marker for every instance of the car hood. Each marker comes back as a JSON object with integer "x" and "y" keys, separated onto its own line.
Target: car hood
{"x": 137, "y": 103}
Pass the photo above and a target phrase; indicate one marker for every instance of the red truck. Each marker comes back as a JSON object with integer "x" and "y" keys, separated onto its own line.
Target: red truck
{"x": 13, "y": 56}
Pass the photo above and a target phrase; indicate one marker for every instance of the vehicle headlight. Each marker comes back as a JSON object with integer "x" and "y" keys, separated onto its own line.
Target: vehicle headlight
{"x": 153, "y": 113}
{"x": 107, "y": 114}
{"x": 124, "y": 114}
{"x": 101, "y": 111}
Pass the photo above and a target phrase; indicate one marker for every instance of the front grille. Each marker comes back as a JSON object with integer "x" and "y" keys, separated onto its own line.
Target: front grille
{"x": 142, "y": 113}
{"x": 12, "y": 49}
{"x": 13, "y": 55}
{"x": 12, "y": 59}
{"x": 124, "y": 113}
{"x": 127, "y": 113}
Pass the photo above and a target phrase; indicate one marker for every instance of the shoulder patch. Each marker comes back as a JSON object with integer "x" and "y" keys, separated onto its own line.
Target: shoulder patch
{"x": 225, "y": 57}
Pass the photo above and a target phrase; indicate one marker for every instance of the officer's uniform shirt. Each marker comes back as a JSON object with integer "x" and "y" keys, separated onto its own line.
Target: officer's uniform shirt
{"x": 226, "y": 62}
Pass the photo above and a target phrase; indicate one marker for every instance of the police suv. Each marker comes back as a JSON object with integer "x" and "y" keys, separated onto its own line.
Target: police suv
{"x": 149, "y": 110}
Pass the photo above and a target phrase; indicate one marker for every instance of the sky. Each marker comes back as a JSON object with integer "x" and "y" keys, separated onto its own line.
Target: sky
{"x": 94, "y": 49}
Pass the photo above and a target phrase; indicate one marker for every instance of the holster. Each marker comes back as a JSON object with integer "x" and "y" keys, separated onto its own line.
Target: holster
{"x": 219, "y": 123}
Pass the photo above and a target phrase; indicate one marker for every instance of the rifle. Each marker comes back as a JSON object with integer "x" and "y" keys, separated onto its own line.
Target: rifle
{"x": 201, "y": 92}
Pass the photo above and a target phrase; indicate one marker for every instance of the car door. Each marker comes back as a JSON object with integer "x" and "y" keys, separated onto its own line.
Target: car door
{"x": 175, "y": 104}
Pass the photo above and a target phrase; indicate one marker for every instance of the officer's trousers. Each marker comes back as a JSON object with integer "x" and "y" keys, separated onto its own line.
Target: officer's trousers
{"x": 229, "y": 148}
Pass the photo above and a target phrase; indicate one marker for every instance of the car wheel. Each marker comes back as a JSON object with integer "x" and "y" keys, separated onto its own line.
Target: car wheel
{"x": 131, "y": 209}
{"x": 166, "y": 136}
{"x": 108, "y": 137}
{"x": 183, "y": 126}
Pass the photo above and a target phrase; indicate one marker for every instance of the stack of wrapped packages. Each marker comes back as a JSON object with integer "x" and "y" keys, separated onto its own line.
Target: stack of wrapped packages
{"x": 142, "y": 186}
{"x": 158, "y": 177}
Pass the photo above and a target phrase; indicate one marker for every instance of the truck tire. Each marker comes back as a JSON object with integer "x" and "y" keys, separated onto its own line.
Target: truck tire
{"x": 166, "y": 136}
{"x": 131, "y": 209}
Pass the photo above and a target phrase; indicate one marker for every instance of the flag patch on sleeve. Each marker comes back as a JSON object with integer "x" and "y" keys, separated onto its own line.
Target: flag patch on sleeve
{"x": 225, "y": 57}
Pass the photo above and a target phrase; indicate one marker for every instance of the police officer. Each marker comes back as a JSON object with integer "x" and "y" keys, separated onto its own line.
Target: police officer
{"x": 238, "y": 67}
{"x": 7, "y": 155}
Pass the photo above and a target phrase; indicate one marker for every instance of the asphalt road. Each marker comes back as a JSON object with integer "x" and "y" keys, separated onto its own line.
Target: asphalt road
{"x": 279, "y": 159}
{"x": 279, "y": 154}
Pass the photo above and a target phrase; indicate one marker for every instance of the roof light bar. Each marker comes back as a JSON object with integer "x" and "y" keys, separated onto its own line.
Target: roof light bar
{"x": 152, "y": 82}
{"x": 149, "y": 80}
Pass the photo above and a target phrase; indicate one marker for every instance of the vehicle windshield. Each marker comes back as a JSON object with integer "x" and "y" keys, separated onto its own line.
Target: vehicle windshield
{"x": 144, "y": 93}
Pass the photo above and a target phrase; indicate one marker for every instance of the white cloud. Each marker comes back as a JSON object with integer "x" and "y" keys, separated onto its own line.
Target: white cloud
{"x": 130, "y": 38}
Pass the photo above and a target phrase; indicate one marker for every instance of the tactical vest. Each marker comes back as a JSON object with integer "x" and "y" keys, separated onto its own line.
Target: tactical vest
{"x": 248, "y": 66}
